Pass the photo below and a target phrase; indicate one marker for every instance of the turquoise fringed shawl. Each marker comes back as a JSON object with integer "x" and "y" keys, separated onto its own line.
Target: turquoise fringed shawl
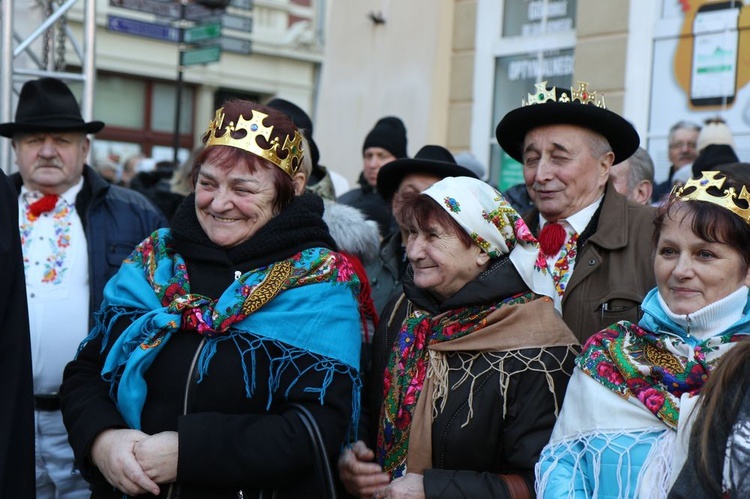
{"x": 306, "y": 305}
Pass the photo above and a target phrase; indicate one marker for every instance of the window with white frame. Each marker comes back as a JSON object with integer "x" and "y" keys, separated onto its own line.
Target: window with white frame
{"x": 519, "y": 43}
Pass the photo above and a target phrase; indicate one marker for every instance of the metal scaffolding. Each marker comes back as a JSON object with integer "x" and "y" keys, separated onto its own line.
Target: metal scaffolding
{"x": 47, "y": 59}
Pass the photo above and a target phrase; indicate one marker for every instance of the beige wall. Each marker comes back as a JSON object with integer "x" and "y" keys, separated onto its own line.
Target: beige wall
{"x": 401, "y": 68}
{"x": 458, "y": 132}
{"x": 601, "y": 48}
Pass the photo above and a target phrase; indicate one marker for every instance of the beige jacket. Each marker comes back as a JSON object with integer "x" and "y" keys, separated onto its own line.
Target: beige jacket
{"x": 614, "y": 269}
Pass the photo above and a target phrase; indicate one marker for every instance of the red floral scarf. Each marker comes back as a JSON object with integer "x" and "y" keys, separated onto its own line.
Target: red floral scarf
{"x": 407, "y": 368}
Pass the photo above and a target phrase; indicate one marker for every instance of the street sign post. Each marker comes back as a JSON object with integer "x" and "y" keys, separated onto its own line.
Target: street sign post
{"x": 203, "y": 32}
{"x": 193, "y": 11}
{"x": 143, "y": 29}
{"x": 200, "y": 55}
{"x": 209, "y": 17}
{"x": 236, "y": 45}
{"x": 242, "y": 4}
{"x": 239, "y": 23}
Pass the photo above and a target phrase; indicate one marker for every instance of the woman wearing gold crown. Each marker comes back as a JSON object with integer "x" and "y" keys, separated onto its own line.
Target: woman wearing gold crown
{"x": 213, "y": 328}
{"x": 624, "y": 426}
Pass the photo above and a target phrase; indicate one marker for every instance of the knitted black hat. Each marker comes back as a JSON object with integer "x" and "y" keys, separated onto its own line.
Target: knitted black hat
{"x": 565, "y": 109}
{"x": 432, "y": 160}
{"x": 46, "y": 105}
{"x": 390, "y": 134}
{"x": 301, "y": 120}
{"x": 712, "y": 157}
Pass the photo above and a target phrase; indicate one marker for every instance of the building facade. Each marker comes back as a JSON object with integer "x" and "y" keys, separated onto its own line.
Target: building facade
{"x": 450, "y": 69}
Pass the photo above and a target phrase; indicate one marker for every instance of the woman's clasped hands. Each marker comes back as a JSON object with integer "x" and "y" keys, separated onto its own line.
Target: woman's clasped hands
{"x": 135, "y": 462}
{"x": 366, "y": 479}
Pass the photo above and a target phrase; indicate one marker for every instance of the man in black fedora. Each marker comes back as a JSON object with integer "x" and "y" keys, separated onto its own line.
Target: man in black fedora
{"x": 598, "y": 243}
{"x": 75, "y": 231}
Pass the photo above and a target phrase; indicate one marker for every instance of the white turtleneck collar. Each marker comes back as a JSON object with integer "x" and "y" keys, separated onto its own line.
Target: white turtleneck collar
{"x": 713, "y": 319}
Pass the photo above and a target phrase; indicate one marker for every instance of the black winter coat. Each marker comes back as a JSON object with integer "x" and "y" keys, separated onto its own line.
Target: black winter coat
{"x": 16, "y": 387}
{"x": 367, "y": 200}
{"x": 386, "y": 271}
{"x": 468, "y": 458}
{"x": 227, "y": 442}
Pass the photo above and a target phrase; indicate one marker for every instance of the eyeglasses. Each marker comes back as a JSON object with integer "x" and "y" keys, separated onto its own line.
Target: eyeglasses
{"x": 683, "y": 145}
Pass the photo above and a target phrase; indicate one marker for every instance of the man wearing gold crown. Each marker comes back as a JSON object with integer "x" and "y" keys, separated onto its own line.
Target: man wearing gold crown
{"x": 596, "y": 243}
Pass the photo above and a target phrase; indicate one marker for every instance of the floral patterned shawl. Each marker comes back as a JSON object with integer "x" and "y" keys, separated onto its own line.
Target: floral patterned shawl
{"x": 277, "y": 303}
{"x": 653, "y": 367}
{"x": 521, "y": 321}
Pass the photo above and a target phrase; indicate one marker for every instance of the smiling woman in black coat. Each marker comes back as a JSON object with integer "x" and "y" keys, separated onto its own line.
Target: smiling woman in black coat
{"x": 214, "y": 329}
{"x": 470, "y": 364}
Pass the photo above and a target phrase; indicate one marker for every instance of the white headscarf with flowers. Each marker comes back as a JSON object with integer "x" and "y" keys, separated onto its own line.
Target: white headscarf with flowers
{"x": 495, "y": 227}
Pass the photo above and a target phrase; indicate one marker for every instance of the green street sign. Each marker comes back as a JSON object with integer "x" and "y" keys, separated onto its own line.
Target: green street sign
{"x": 203, "y": 32}
{"x": 200, "y": 55}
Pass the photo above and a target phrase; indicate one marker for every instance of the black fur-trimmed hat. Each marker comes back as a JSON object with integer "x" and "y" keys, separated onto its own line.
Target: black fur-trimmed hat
{"x": 557, "y": 106}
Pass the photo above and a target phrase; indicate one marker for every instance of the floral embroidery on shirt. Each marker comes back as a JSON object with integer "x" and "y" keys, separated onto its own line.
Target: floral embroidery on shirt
{"x": 561, "y": 272}
{"x": 58, "y": 242}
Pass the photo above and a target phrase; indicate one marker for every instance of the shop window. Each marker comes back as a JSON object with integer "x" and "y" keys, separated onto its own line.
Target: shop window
{"x": 530, "y": 41}
{"x": 140, "y": 119}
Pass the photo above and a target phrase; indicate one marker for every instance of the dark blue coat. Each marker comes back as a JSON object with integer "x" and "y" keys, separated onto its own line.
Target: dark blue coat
{"x": 115, "y": 220}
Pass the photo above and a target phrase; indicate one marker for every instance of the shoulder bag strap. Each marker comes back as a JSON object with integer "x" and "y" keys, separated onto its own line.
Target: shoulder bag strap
{"x": 322, "y": 464}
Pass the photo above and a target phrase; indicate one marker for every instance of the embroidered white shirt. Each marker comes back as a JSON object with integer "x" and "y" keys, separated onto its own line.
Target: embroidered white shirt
{"x": 55, "y": 261}
{"x": 561, "y": 264}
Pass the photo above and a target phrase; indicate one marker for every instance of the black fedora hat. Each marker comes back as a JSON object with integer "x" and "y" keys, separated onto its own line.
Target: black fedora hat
{"x": 432, "y": 160}
{"x": 557, "y": 106}
{"x": 45, "y": 105}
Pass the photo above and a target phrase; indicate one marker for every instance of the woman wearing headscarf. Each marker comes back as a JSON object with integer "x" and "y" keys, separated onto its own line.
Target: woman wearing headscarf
{"x": 213, "y": 329}
{"x": 477, "y": 357}
{"x": 628, "y": 412}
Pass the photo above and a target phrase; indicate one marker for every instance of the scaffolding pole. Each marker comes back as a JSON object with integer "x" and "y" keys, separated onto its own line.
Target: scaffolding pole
{"x": 12, "y": 75}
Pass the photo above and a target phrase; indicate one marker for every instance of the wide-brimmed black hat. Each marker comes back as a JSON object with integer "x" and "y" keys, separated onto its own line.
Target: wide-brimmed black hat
{"x": 432, "y": 160}
{"x": 565, "y": 107}
{"x": 45, "y": 105}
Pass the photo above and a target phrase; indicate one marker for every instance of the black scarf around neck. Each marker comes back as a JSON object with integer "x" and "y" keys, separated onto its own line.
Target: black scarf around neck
{"x": 501, "y": 280}
{"x": 298, "y": 226}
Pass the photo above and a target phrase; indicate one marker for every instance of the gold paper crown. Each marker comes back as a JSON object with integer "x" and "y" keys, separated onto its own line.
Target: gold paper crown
{"x": 580, "y": 94}
{"x": 700, "y": 192}
{"x": 253, "y": 128}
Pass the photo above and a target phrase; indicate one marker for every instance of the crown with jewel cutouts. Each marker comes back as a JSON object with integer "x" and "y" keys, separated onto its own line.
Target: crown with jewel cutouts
{"x": 254, "y": 128}
{"x": 697, "y": 190}
{"x": 580, "y": 94}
